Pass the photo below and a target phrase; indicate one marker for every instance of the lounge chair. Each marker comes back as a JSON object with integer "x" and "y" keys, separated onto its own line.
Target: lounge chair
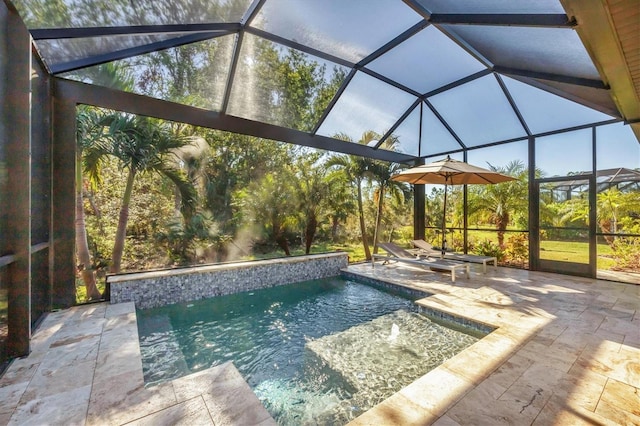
{"x": 426, "y": 249}
{"x": 395, "y": 253}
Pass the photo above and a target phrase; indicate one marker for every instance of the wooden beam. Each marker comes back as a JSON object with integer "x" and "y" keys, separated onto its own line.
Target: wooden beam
{"x": 599, "y": 36}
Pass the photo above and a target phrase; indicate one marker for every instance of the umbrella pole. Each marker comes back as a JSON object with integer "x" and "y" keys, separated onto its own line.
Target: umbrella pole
{"x": 444, "y": 222}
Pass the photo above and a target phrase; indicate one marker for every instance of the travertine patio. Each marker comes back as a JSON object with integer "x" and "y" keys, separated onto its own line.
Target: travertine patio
{"x": 566, "y": 351}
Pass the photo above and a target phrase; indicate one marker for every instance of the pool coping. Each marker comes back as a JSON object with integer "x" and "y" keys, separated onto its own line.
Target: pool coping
{"x": 132, "y": 276}
{"x": 420, "y": 294}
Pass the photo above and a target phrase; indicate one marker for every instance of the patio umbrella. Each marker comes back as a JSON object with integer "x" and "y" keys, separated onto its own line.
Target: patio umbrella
{"x": 449, "y": 172}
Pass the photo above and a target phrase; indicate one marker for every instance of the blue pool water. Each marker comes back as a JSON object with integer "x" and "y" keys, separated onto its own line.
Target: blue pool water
{"x": 317, "y": 352}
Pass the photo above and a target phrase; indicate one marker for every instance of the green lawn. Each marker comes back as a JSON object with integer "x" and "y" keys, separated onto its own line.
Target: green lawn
{"x": 565, "y": 251}
{"x": 568, "y": 251}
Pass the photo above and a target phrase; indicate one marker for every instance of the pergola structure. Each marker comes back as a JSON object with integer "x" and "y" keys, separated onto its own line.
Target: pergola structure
{"x": 442, "y": 77}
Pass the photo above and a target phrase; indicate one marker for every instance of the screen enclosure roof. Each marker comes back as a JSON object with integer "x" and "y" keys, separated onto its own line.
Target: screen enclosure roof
{"x": 424, "y": 77}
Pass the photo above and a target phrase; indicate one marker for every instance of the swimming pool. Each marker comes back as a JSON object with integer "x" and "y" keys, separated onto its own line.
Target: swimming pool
{"x": 321, "y": 351}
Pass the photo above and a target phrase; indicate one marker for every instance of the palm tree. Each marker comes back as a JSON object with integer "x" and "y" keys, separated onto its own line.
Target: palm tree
{"x": 312, "y": 188}
{"x": 269, "y": 203}
{"x": 397, "y": 212}
{"x": 381, "y": 173}
{"x": 356, "y": 169}
{"x": 142, "y": 146}
{"x": 503, "y": 199}
{"x": 88, "y": 131}
{"x": 612, "y": 205}
{"x": 339, "y": 201}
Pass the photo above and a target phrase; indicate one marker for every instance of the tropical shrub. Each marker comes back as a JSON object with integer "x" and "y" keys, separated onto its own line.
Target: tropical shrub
{"x": 626, "y": 253}
{"x": 489, "y": 248}
{"x": 517, "y": 248}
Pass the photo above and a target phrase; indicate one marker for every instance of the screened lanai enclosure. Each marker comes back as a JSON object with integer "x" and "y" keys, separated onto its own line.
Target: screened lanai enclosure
{"x": 550, "y": 85}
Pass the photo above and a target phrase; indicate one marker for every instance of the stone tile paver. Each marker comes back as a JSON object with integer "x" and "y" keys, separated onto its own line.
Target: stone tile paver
{"x": 192, "y": 412}
{"x": 623, "y": 396}
{"x": 64, "y": 408}
{"x": 396, "y": 410}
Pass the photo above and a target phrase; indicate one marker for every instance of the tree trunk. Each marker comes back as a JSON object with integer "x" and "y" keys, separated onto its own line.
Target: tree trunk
{"x": 391, "y": 231}
{"x": 310, "y": 232}
{"x": 82, "y": 246}
{"x": 503, "y": 221}
{"x": 283, "y": 244}
{"x": 177, "y": 201}
{"x": 605, "y": 227}
{"x": 363, "y": 230}
{"x": 121, "y": 233}
{"x": 279, "y": 236}
{"x": 335, "y": 221}
{"x": 378, "y": 219}
{"x": 94, "y": 206}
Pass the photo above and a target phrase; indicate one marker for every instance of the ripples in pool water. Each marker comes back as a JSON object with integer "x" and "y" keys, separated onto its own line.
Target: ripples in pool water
{"x": 317, "y": 352}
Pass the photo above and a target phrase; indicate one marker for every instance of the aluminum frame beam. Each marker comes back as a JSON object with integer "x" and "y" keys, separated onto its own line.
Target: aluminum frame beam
{"x": 395, "y": 42}
{"x": 91, "y": 61}
{"x": 84, "y": 32}
{"x": 82, "y": 93}
{"x": 301, "y": 47}
{"x": 551, "y": 20}
{"x": 557, "y": 20}
{"x": 15, "y": 109}
{"x": 578, "y": 81}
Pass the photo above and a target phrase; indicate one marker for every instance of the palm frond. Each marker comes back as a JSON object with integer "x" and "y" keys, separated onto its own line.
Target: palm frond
{"x": 188, "y": 193}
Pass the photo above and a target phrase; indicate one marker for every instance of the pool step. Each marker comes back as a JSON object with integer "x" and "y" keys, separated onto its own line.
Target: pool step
{"x": 168, "y": 351}
{"x": 389, "y": 352}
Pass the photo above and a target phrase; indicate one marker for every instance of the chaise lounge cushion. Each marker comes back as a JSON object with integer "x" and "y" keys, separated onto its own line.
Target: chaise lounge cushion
{"x": 396, "y": 253}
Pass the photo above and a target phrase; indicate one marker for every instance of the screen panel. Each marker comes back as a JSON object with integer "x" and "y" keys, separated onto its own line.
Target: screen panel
{"x": 488, "y": 202}
{"x": 551, "y": 50}
{"x": 348, "y": 30}
{"x": 406, "y": 135}
{"x": 479, "y": 112}
{"x": 367, "y": 104}
{"x": 282, "y": 86}
{"x": 544, "y": 111}
{"x": 436, "y": 138}
{"x": 110, "y": 13}
{"x": 195, "y": 74}
{"x": 429, "y": 60}
{"x": 56, "y": 51}
{"x": 618, "y": 202}
{"x": 563, "y": 154}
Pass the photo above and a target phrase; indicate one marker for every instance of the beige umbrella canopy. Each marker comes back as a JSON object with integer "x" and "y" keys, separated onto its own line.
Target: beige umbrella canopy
{"x": 449, "y": 172}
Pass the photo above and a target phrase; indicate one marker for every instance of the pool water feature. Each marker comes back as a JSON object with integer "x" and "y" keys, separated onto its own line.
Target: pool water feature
{"x": 316, "y": 352}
